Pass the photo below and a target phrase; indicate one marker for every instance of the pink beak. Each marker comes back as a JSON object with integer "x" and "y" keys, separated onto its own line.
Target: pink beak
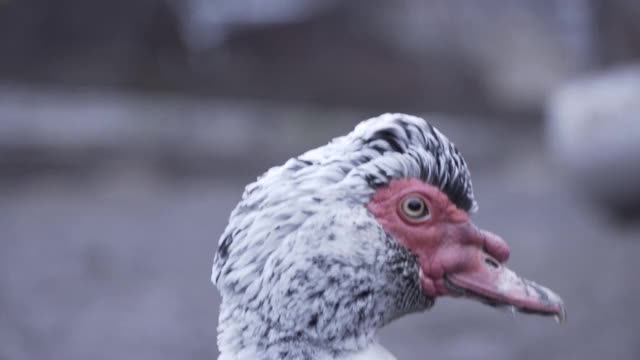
{"x": 483, "y": 277}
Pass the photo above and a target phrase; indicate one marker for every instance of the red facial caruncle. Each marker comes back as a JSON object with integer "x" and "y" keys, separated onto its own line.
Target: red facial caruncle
{"x": 455, "y": 257}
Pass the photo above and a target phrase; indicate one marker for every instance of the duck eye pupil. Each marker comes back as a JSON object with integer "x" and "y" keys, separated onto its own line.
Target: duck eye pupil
{"x": 414, "y": 205}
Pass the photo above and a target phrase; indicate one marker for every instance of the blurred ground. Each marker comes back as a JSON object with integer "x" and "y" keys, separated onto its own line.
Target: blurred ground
{"x": 113, "y": 262}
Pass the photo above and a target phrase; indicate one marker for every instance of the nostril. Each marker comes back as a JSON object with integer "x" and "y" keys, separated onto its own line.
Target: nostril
{"x": 494, "y": 264}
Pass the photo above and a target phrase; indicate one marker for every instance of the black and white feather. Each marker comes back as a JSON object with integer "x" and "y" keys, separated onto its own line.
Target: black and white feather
{"x": 301, "y": 235}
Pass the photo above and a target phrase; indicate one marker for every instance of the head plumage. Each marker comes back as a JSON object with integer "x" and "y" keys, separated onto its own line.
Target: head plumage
{"x": 387, "y": 147}
{"x": 349, "y": 168}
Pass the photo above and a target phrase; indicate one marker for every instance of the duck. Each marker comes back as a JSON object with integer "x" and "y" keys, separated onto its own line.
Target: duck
{"x": 325, "y": 250}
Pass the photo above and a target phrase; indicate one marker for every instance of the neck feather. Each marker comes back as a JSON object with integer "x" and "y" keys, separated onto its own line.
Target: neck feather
{"x": 321, "y": 298}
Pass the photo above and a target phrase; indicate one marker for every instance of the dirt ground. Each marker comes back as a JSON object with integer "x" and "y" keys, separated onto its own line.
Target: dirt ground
{"x": 116, "y": 266}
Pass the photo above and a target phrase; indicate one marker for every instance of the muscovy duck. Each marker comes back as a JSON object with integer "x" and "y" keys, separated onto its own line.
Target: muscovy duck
{"x": 326, "y": 249}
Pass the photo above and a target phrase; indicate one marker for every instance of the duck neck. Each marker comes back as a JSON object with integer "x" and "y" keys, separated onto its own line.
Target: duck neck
{"x": 318, "y": 298}
{"x": 250, "y": 334}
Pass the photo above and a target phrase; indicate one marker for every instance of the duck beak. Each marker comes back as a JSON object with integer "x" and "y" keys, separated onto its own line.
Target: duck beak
{"x": 487, "y": 280}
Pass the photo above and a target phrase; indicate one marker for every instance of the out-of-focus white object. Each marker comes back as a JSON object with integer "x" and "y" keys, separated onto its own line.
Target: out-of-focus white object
{"x": 593, "y": 126}
{"x": 205, "y": 23}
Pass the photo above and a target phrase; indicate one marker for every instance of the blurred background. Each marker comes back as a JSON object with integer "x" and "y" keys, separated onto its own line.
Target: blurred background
{"x": 128, "y": 130}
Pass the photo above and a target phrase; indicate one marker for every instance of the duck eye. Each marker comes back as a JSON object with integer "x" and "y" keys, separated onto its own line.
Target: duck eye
{"x": 414, "y": 208}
